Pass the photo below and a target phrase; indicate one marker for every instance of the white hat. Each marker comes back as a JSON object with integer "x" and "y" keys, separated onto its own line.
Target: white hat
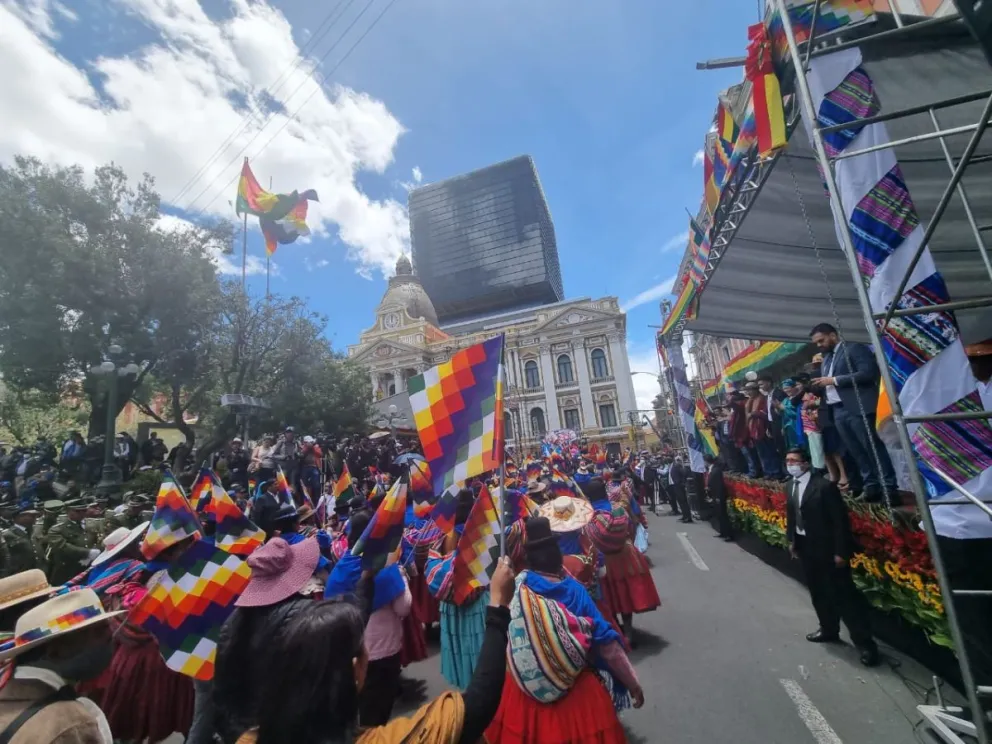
{"x": 117, "y": 540}
{"x": 62, "y": 614}
{"x": 308, "y": 439}
{"x": 566, "y": 513}
{"x": 23, "y": 586}
{"x": 239, "y": 440}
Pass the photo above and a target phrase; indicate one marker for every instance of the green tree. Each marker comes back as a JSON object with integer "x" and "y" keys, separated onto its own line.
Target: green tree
{"x": 28, "y": 416}
{"x": 86, "y": 265}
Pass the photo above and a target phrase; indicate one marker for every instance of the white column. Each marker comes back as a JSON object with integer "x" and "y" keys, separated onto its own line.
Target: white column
{"x": 400, "y": 375}
{"x": 585, "y": 392}
{"x": 621, "y": 373}
{"x": 550, "y": 398}
{"x": 375, "y": 383}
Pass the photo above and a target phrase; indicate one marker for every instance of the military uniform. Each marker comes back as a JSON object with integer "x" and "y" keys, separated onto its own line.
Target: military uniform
{"x": 130, "y": 521}
{"x": 21, "y": 551}
{"x": 68, "y": 550}
{"x": 51, "y": 511}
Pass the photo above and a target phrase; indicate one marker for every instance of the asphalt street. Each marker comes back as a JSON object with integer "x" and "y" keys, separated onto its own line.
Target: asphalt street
{"x": 725, "y": 659}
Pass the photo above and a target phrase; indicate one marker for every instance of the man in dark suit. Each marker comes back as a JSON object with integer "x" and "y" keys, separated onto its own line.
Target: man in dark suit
{"x": 717, "y": 489}
{"x": 819, "y": 534}
{"x": 849, "y": 374}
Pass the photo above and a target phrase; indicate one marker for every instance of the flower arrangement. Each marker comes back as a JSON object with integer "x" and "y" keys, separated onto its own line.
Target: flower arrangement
{"x": 893, "y": 567}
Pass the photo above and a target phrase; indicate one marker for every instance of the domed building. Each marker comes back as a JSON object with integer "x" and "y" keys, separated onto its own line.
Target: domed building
{"x": 566, "y": 362}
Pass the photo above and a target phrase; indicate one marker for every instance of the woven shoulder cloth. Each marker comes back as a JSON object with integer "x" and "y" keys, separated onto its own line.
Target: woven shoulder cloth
{"x": 608, "y": 532}
{"x": 439, "y": 574}
{"x": 548, "y": 645}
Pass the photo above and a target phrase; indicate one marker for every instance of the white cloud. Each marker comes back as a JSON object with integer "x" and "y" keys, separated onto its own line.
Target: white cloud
{"x": 418, "y": 175}
{"x": 228, "y": 264}
{"x": 649, "y": 295}
{"x": 698, "y": 158}
{"x": 167, "y": 107}
{"x": 643, "y": 359}
{"x": 676, "y": 243}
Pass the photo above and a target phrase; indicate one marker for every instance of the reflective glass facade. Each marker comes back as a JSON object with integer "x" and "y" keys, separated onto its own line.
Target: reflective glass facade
{"x": 484, "y": 242}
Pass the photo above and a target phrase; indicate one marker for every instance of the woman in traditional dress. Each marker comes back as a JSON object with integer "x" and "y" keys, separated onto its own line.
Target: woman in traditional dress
{"x": 567, "y": 673}
{"x": 628, "y": 584}
{"x": 463, "y": 625}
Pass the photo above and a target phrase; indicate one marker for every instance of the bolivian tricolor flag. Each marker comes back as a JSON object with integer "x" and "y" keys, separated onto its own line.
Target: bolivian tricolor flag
{"x": 769, "y": 113}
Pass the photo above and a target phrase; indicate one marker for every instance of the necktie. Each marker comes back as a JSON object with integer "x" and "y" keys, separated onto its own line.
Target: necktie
{"x": 800, "y": 527}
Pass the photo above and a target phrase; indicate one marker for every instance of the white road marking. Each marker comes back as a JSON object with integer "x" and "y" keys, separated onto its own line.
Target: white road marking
{"x": 693, "y": 555}
{"x": 814, "y": 720}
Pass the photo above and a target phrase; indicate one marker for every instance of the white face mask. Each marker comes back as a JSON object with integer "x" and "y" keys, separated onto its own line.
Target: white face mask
{"x": 795, "y": 470}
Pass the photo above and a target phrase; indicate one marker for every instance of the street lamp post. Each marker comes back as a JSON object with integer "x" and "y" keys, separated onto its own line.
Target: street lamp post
{"x": 110, "y": 475}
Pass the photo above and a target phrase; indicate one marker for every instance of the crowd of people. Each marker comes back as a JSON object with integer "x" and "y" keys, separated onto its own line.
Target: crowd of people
{"x": 314, "y": 650}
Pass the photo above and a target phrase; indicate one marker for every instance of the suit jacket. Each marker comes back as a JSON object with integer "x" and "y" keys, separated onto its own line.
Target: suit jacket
{"x": 715, "y": 483}
{"x": 825, "y": 519}
{"x": 677, "y": 474}
{"x": 859, "y": 379}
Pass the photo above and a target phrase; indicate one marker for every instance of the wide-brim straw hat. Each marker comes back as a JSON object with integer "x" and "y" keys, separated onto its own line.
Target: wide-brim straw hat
{"x": 278, "y": 571}
{"x": 24, "y": 586}
{"x": 65, "y": 613}
{"x": 536, "y": 486}
{"x": 118, "y": 540}
{"x": 566, "y": 513}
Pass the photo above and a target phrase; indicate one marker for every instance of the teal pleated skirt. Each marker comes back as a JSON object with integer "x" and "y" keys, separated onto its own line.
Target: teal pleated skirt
{"x": 462, "y": 631}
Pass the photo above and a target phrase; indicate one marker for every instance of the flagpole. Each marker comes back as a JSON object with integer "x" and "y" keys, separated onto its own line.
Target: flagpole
{"x": 244, "y": 252}
{"x": 267, "y": 257}
{"x": 502, "y": 453}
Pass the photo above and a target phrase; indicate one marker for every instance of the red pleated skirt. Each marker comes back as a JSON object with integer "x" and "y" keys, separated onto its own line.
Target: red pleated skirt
{"x": 425, "y": 607}
{"x": 584, "y": 716}
{"x": 144, "y": 698}
{"x": 628, "y": 584}
{"x": 414, "y": 642}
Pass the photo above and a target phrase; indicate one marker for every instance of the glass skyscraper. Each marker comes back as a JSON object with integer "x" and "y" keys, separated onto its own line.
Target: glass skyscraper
{"x": 484, "y": 242}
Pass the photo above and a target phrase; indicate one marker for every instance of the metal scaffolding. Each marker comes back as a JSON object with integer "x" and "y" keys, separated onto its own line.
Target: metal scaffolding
{"x": 947, "y": 723}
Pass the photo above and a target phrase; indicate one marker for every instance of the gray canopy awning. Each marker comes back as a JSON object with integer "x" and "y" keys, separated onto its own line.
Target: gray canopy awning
{"x": 769, "y": 283}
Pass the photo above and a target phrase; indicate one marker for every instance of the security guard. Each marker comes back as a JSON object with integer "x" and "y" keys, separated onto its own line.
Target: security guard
{"x": 21, "y": 552}
{"x": 50, "y": 510}
{"x": 68, "y": 549}
{"x": 130, "y": 517}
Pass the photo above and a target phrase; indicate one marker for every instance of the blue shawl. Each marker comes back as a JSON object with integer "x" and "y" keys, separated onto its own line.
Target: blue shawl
{"x": 347, "y": 571}
{"x": 568, "y": 542}
{"x": 576, "y": 599}
{"x": 603, "y": 505}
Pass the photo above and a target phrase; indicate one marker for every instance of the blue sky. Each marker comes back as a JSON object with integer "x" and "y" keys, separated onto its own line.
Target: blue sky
{"x": 604, "y": 96}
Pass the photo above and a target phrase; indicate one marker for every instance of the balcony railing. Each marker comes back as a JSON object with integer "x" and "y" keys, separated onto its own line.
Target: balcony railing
{"x": 598, "y": 380}
{"x": 563, "y": 385}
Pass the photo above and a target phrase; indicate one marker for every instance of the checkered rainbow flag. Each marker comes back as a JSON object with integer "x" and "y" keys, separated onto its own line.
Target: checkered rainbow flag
{"x": 185, "y": 609}
{"x": 458, "y": 408}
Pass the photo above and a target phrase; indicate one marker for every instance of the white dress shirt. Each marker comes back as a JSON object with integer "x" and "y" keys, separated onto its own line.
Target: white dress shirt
{"x": 833, "y": 397}
{"x": 803, "y": 481}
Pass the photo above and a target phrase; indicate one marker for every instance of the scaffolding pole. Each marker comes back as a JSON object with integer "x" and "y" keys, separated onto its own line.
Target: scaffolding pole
{"x": 973, "y": 693}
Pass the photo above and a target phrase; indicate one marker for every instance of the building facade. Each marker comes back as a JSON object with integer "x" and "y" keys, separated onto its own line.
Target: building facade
{"x": 484, "y": 241}
{"x": 566, "y": 362}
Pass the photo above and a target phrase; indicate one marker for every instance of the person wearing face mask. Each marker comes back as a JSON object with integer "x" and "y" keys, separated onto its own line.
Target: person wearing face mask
{"x": 59, "y": 643}
{"x": 819, "y": 533}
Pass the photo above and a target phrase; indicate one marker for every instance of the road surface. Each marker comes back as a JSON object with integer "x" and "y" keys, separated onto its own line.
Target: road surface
{"x": 725, "y": 659}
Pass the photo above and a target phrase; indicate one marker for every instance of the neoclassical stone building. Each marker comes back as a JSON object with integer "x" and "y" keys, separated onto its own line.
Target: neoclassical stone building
{"x": 566, "y": 362}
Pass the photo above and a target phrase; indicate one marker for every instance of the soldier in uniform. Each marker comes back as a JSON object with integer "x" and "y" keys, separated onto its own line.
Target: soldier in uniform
{"x": 95, "y": 524}
{"x": 50, "y": 511}
{"x": 68, "y": 549}
{"x": 130, "y": 517}
{"x": 21, "y": 552}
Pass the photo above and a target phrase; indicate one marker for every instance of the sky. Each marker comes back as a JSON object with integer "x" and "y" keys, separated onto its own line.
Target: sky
{"x": 362, "y": 100}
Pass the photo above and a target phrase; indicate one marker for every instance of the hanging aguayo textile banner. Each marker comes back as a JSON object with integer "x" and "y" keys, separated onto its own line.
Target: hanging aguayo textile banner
{"x": 924, "y": 352}
{"x": 687, "y": 406}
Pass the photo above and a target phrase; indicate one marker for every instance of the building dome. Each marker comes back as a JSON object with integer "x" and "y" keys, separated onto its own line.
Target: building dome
{"x": 405, "y": 291}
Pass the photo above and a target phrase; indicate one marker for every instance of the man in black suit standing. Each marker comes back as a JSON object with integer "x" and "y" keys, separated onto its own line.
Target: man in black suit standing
{"x": 849, "y": 374}
{"x": 717, "y": 489}
{"x": 819, "y": 534}
{"x": 677, "y": 477}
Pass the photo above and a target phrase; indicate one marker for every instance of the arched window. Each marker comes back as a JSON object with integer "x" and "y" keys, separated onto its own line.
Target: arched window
{"x": 537, "y": 422}
{"x": 531, "y": 376}
{"x": 507, "y": 425}
{"x": 565, "y": 369}
{"x": 599, "y": 368}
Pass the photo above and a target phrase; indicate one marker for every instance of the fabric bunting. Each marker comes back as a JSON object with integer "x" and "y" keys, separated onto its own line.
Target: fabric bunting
{"x": 924, "y": 352}
{"x": 172, "y": 521}
{"x": 458, "y": 409}
{"x": 757, "y": 356}
{"x": 478, "y": 548}
{"x": 686, "y": 407}
{"x": 684, "y": 307}
{"x": 831, "y": 16}
{"x": 235, "y": 533}
{"x": 726, "y": 127}
{"x": 769, "y": 113}
{"x": 711, "y": 191}
{"x": 703, "y": 432}
{"x": 385, "y": 530}
{"x": 185, "y": 609}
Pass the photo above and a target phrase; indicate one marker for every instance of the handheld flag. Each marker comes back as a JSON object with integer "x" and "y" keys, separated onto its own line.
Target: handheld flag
{"x": 421, "y": 489}
{"x": 343, "y": 491}
{"x": 199, "y": 494}
{"x": 187, "y": 607}
{"x": 172, "y": 521}
{"x": 284, "y": 488}
{"x": 385, "y": 530}
{"x": 443, "y": 513}
{"x": 458, "y": 409}
{"x": 235, "y": 532}
{"x": 516, "y": 505}
{"x": 478, "y": 548}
